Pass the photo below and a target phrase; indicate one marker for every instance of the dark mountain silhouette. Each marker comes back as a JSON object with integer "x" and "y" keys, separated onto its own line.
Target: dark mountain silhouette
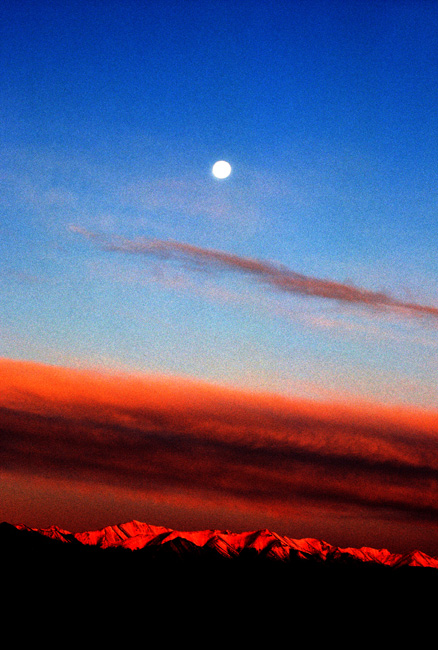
{"x": 131, "y": 578}
{"x": 142, "y": 543}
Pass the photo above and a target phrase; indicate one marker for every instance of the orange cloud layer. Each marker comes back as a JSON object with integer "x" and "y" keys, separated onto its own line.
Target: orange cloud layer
{"x": 154, "y": 434}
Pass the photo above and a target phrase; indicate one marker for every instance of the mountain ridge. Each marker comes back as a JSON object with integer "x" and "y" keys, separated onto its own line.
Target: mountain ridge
{"x": 142, "y": 537}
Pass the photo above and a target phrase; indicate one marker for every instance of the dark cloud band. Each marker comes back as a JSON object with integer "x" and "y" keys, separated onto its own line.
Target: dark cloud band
{"x": 218, "y": 444}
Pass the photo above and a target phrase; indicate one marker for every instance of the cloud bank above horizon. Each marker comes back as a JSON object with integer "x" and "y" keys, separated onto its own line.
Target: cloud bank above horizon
{"x": 186, "y": 440}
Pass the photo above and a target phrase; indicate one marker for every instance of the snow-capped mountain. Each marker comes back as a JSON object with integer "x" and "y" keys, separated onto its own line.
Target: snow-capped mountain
{"x": 138, "y": 536}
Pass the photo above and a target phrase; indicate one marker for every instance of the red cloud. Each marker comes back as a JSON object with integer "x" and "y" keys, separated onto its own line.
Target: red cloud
{"x": 155, "y": 434}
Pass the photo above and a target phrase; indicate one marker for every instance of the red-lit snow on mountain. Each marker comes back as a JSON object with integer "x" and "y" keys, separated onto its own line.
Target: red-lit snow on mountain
{"x": 136, "y": 535}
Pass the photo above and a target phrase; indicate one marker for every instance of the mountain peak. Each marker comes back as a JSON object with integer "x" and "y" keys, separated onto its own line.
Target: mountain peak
{"x": 139, "y": 536}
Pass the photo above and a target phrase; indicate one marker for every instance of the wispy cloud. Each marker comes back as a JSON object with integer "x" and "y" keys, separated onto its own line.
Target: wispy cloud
{"x": 269, "y": 274}
{"x": 241, "y": 202}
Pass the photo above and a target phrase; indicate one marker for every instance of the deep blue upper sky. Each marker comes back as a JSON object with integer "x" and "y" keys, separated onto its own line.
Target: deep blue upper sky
{"x": 112, "y": 114}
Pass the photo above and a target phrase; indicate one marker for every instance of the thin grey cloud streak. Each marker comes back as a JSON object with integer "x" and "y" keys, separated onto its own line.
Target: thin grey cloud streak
{"x": 268, "y": 273}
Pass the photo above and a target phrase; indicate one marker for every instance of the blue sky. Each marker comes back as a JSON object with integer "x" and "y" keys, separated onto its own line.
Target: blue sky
{"x": 112, "y": 115}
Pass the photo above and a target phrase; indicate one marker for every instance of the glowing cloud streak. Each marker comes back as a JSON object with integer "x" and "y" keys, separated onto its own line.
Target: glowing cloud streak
{"x": 278, "y": 277}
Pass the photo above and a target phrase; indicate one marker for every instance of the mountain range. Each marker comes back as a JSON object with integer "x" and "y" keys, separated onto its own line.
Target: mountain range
{"x": 159, "y": 541}
{"x": 128, "y": 582}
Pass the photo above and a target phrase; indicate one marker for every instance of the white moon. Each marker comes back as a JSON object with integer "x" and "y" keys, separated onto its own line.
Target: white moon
{"x": 221, "y": 169}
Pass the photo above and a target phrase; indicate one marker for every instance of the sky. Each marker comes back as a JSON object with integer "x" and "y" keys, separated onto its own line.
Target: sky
{"x": 286, "y": 315}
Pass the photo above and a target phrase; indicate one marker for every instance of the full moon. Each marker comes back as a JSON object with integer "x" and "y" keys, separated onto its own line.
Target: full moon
{"x": 221, "y": 169}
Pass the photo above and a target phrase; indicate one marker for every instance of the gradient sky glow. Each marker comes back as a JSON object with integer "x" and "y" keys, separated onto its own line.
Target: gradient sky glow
{"x": 309, "y": 273}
